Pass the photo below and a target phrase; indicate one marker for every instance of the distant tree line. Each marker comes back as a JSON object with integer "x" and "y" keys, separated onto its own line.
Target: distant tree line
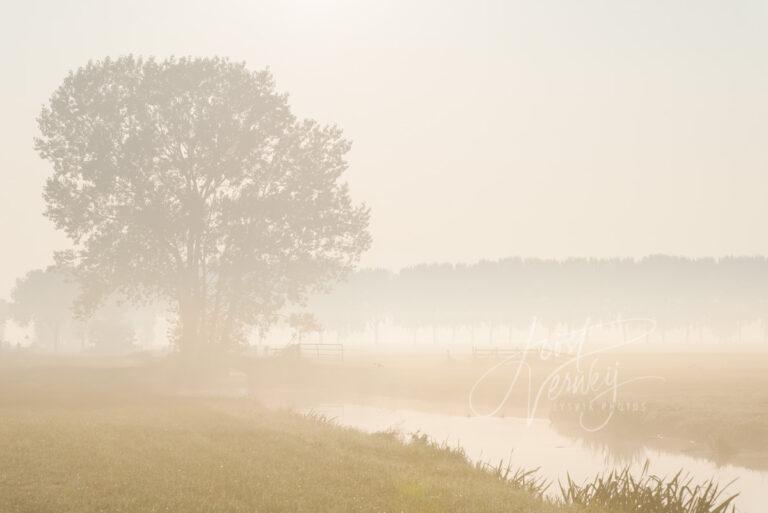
{"x": 46, "y": 300}
{"x": 692, "y": 297}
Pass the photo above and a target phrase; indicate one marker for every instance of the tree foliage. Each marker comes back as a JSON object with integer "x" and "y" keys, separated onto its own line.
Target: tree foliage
{"x": 45, "y": 298}
{"x": 302, "y": 324}
{"x": 191, "y": 179}
{"x": 5, "y": 314}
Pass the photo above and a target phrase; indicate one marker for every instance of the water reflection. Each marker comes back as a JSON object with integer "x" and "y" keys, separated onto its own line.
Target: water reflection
{"x": 616, "y": 449}
{"x": 493, "y": 439}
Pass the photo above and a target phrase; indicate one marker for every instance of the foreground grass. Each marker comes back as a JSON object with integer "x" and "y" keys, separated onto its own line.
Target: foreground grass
{"x": 98, "y": 440}
{"x": 94, "y": 436}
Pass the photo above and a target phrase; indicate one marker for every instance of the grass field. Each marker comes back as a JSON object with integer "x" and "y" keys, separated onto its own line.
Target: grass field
{"x": 108, "y": 439}
{"x": 95, "y": 435}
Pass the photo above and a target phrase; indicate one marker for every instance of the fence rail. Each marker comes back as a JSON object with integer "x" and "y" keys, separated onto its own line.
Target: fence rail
{"x": 308, "y": 350}
{"x": 495, "y": 353}
{"x": 500, "y": 353}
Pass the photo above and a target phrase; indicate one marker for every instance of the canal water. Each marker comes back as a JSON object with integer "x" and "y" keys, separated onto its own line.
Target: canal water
{"x": 538, "y": 444}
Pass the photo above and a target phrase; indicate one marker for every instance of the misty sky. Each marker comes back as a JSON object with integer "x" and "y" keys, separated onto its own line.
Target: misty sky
{"x": 481, "y": 129}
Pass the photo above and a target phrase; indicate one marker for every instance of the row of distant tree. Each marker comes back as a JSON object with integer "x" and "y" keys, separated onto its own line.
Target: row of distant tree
{"x": 46, "y": 301}
{"x": 682, "y": 295}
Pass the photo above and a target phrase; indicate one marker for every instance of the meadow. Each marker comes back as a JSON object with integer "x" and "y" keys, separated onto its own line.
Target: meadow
{"x": 108, "y": 439}
{"x": 96, "y": 435}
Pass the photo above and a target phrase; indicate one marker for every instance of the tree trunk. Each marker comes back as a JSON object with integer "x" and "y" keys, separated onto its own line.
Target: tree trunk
{"x": 190, "y": 320}
{"x": 765, "y": 331}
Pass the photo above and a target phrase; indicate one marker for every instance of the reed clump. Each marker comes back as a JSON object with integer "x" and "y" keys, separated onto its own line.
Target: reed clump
{"x": 621, "y": 491}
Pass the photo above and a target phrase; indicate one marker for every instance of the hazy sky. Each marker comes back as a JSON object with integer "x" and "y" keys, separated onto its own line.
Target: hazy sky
{"x": 481, "y": 129}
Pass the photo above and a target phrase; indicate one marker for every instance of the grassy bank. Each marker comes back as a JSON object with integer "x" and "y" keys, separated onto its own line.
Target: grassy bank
{"x": 712, "y": 406}
{"x": 110, "y": 439}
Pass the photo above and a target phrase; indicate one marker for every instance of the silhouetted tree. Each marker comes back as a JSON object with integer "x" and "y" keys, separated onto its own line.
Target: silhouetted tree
{"x": 303, "y": 323}
{"x": 45, "y": 298}
{"x": 191, "y": 179}
{"x": 358, "y": 302}
{"x": 5, "y": 314}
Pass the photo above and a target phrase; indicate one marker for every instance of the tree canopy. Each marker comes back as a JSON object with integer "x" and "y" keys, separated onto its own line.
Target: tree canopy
{"x": 5, "y": 313}
{"x": 191, "y": 179}
{"x": 45, "y": 297}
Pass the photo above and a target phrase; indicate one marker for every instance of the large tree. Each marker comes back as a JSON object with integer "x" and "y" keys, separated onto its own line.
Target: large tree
{"x": 191, "y": 179}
